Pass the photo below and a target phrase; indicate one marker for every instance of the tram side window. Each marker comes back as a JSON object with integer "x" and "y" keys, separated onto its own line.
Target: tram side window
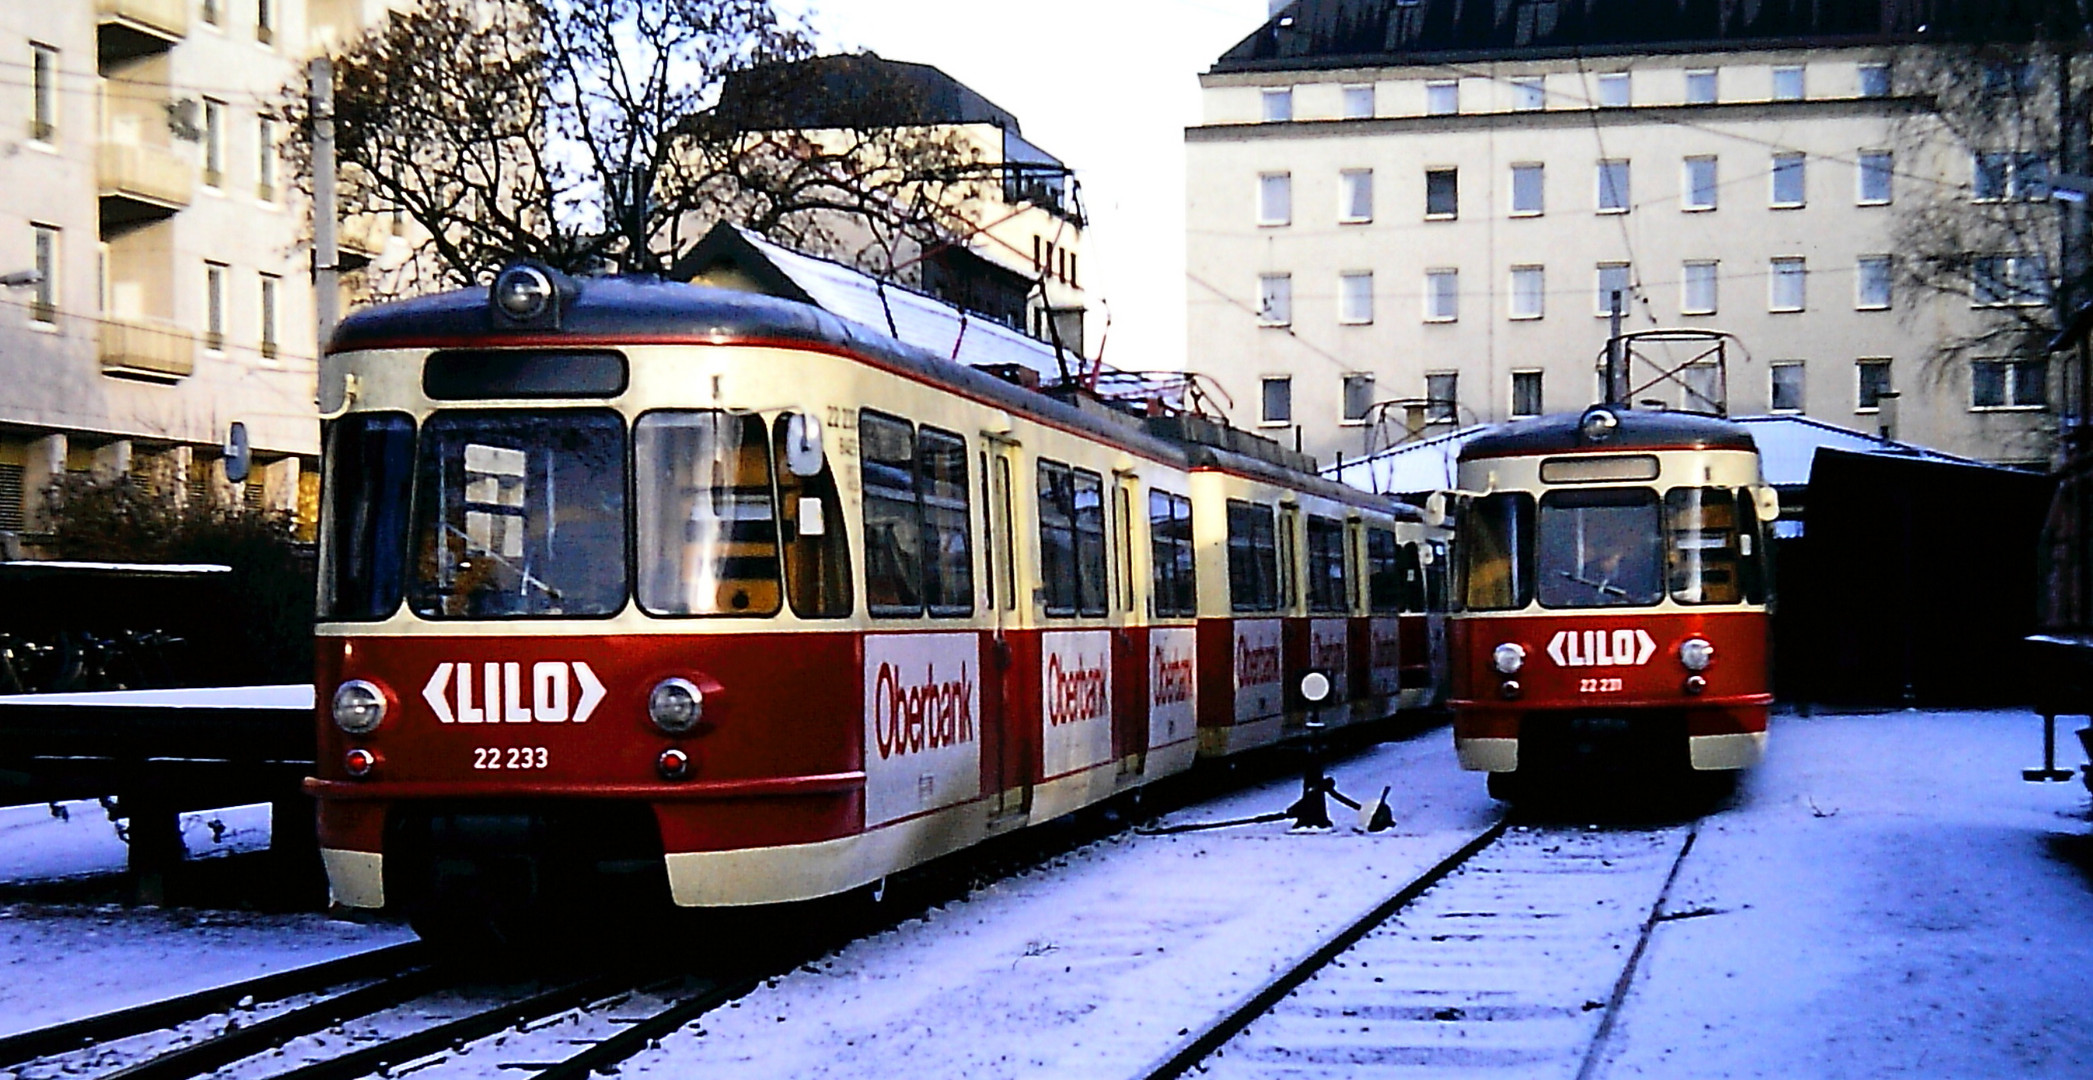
{"x": 816, "y": 546}
{"x": 948, "y": 569}
{"x": 708, "y": 530}
{"x": 1437, "y": 591}
{"x": 1170, "y": 544}
{"x": 1253, "y": 558}
{"x": 1706, "y": 548}
{"x": 893, "y": 525}
{"x": 1072, "y": 539}
{"x": 520, "y": 514}
{"x": 1599, "y": 548}
{"x": 1756, "y": 566}
{"x": 369, "y": 482}
{"x": 1383, "y": 573}
{"x": 1496, "y": 539}
{"x": 1326, "y": 566}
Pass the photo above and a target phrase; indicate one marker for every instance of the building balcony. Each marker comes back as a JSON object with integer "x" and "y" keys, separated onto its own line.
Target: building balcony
{"x": 129, "y": 29}
{"x": 141, "y": 349}
{"x": 141, "y": 184}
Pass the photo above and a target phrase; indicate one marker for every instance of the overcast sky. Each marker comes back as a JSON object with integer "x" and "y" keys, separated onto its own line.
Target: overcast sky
{"x": 1108, "y": 86}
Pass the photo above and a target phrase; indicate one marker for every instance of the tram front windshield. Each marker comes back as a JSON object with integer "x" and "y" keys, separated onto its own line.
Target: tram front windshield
{"x": 1600, "y": 548}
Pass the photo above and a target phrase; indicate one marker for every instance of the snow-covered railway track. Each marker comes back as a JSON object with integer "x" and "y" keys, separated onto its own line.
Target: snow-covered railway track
{"x": 1510, "y": 958}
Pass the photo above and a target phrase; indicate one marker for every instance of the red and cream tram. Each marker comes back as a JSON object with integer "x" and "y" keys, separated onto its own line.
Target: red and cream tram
{"x": 752, "y": 604}
{"x": 1611, "y": 598}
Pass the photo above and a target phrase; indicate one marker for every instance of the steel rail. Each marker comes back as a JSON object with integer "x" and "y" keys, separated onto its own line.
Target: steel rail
{"x": 605, "y": 1055}
{"x": 1200, "y": 1045}
{"x": 199, "y": 1058}
{"x": 405, "y": 1048}
{"x": 1588, "y": 1068}
{"x": 139, "y": 1019}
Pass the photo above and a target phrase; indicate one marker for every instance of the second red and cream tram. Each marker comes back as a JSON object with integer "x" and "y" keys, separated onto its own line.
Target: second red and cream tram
{"x": 1611, "y": 598}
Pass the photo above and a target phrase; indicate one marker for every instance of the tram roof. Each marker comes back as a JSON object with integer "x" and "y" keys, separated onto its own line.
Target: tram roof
{"x": 647, "y": 310}
{"x": 1562, "y": 433}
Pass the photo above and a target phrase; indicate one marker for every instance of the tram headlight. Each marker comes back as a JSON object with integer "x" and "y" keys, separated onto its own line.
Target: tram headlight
{"x": 523, "y": 293}
{"x": 1696, "y": 654}
{"x": 1508, "y": 658}
{"x": 676, "y": 706}
{"x": 1598, "y": 424}
{"x": 359, "y": 707}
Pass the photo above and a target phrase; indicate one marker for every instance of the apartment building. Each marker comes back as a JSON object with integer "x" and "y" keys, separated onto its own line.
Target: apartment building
{"x": 160, "y": 269}
{"x": 1420, "y": 203}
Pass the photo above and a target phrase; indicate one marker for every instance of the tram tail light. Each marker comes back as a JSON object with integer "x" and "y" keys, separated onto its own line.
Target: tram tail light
{"x": 359, "y": 762}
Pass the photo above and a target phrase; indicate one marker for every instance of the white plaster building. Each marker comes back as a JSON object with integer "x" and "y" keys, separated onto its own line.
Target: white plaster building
{"x": 1428, "y": 201}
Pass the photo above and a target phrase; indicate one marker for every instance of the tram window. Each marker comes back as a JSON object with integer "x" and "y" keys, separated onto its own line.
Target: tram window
{"x": 1123, "y": 510}
{"x": 1090, "y": 542}
{"x": 708, "y": 530}
{"x": 1704, "y": 549}
{"x": 816, "y": 544}
{"x": 368, "y": 483}
{"x": 1599, "y": 548}
{"x": 893, "y": 523}
{"x": 1496, "y": 534}
{"x": 1384, "y": 581}
{"x": 1326, "y": 566}
{"x": 1755, "y": 567}
{"x": 520, "y": 514}
{"x": 1009, "y": 549}
{"x": 1253, "y": 558}
{"x": 948, "y": 567}
{"x": 1436, "y": 590}
{"x": 1170, "y": 547}
{"x": 1072, "y": 539}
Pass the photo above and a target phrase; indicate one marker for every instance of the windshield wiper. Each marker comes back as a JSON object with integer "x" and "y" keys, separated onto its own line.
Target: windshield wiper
{"x": 1603, "y": 588}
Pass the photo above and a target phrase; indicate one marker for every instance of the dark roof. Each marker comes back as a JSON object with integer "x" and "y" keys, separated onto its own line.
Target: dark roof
{"x": 854, "y": 90}
{"x": 1342, "y": 33}
{"x": 1639, "y": 430}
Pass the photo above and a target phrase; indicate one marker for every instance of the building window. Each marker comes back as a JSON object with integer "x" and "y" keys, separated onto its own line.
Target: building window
{"x": 1526, "y": 393}
{"x": 214, "y": 305}
{"x": 1790, "y": 284}
{"x": 2008, "y": 280}
{"x": 43, "y": 302}
{"x": 1787, "y": 386}
{"x": 2009, "y": 384}
{"x": 1529, "y": 292}
{"x": 1275, "y": 299}
{"x": 1356, "y": 188}
{"x": 1871, "y": 381}
{"x": 1529, "y": 190}
{"x": 2010, "y": 77}
{"x": 1355, "y": 296}
{"x": 43, "y": 92}
{"x": 1788, "y": 187}
{"x": 1278, "y": 400}
{"x": 270, "y": 290}
{"x": 265, "y": 160}
{"x": 1275, "y": 198}
{"x": 1278, "y": 105}
{"x": 1700, "y": 183}
{"x": 213, "y": 143}
{"x": 1358, "y": 397}
{"x": 1442, "y": 295}
{"x": 1613, "y": 90}
{"x": 1700, "y": 87}
{"x": 265, "y": 21}
{"x": 1699, "y": 296}
{"x": 1442, "y": 193}
{"x": 1872, "y": 282}
{"x": 1358, "y": 102}
{"x": 1613, "y": 282}
{"x": 1442, "y": 98}
{"x": 1530, "y": 94}
{"x": 1613, "y": 187}
{"x": 1999, "y": 175}
{"x": 1877, "y": 169}
{"x": 1787, "y": 84}
{"x": 213, "y": 11}
{"x": 1442, "y": 397}
{"x": 1874, "y": 80}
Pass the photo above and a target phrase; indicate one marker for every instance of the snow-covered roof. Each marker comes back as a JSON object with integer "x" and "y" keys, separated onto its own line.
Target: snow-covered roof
{"x": 287, "y": 696}
{"x": 1787, "y": 445}
{"x": 904, "y": 314}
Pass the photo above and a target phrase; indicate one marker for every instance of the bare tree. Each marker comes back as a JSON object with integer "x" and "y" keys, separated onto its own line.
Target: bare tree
{"x": 592, "y": 132}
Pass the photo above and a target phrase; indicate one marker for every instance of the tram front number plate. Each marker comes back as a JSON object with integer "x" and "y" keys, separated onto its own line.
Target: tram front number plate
{"x": 1598, "y": 686}
{"x": 509, "y": 757}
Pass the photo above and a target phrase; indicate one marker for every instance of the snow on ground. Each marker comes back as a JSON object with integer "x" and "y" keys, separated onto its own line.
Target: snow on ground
{"x": 1093, "y": 965}
{"x": 52, "y": 841}
{"x": 1887, "y": 900}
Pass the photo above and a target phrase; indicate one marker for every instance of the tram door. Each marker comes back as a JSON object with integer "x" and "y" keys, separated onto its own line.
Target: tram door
{"x": 1129, "y": 633}
{"x": 1009, "y": 760}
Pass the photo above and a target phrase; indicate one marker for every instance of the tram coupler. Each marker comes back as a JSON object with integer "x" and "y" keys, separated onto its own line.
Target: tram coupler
{"x": 2048, "y": 773}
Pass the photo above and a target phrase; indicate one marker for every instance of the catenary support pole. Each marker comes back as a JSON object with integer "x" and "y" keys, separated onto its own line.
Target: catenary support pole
{"x": 327, "y": 296}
